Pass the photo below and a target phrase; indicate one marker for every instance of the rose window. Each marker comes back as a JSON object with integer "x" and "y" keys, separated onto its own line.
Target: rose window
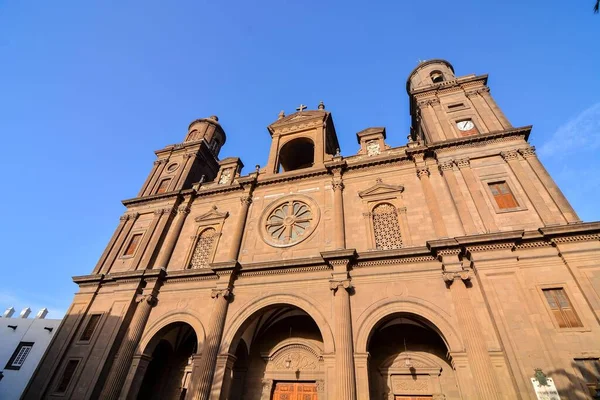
{"x": 289, "y": 222}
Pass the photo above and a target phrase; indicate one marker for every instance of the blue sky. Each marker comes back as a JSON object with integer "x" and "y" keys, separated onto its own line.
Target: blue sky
{"x": 88, "y": 90}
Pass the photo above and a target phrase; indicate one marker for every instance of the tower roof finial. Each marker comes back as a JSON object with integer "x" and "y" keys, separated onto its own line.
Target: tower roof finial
{"x": 321, "y": 105}
{"x": 281, "y": 114}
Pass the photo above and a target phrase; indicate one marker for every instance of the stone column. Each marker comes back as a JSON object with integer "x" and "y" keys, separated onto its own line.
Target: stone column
{"x": 206, "y": 368}
{"x": 344, "y": 352}
{"x": 512, "y": 158}
{"x": 169, "y": 244}
{"x": 464, "y": 165}
{"x": 149, "y": 179}
{"x": 432, "y": 204}
{"x": 236, "y": 241}
{"x": 122, "y": 222}
{"x": 158, "y": 215}
{"x": 477, "y": 352}
{"x": 114, "y": 253}
{"x": 267, "y": 389}
{"x": 338, "y": 210}
{"x": 122, "y": 362}
{"x": 478, "y": 107}
{"x": 161, "y": 166}
{"x": 184, "y": 170}
{"x": 447, "y": 171}
{"x": 134, "y": 380}
{"x": 559, "y": 198}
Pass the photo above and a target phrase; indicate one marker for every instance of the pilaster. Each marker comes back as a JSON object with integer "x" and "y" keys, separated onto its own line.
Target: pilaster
{"x": 464, "y": 165}
{"x": 432, "y": 203}
{"x": 447, "y": 171}
{"x": 114, "y": 253}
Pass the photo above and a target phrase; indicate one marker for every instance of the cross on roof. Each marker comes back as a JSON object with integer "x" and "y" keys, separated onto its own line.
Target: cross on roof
{"x": 301, "y": 107}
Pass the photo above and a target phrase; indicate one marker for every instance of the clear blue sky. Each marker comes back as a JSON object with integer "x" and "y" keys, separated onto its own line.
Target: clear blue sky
{"x": 88, "y": 90}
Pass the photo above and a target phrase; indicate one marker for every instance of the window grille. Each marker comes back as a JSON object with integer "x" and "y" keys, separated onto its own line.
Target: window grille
{"x": 203, "y": 249}
{"x": 386, "y": 227}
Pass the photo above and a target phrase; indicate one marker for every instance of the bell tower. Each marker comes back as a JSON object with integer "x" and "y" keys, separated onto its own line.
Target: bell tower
{"x": 305, "y": 139}
{"x": 444, "y": 107}
{"x": 180, "y": 165}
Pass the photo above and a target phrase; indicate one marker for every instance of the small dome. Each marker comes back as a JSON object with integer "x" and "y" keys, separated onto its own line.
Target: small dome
{"x": 429, "y": 73}
{"x": 208, "y": 129}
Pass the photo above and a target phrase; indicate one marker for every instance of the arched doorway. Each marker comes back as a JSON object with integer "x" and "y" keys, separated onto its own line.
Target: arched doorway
{"x": 279, "y": 355}
{"x": 409, "y": 360}
{"x": 170, "y": 351}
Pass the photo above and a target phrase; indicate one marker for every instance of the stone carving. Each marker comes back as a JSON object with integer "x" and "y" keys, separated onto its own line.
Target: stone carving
{"x": 216, "y": 293}
{"x": 386, "y": 227}
{"x": 446, "y": 166}
{"x": 421, "y": 172}
{"x": 373, "y": 148}
{"x": 337, "y": 185}
{"x": 290, "y": 221}
{"x": 246, "y": 200}
{"x": 450, "y": 276}
{"x": 463, "y": 163}
{"x": 203, "y": 249}
{"x": 509, "y": 155}
{"x": 296, "y": 359}
{"x": 267, "y": 388}
{"x": 407, "y": 384}
{"x": 528, "y": 152}
{"x": 148, "y": 298}
{"x": 335, "y": 285}
{"x": 225, "y": 177}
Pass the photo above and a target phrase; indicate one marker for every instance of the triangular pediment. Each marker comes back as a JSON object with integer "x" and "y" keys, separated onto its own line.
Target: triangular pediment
{"x": 381, "y": 188}
{"x": 211, "y": 215}
{"x": 300, "y": 116}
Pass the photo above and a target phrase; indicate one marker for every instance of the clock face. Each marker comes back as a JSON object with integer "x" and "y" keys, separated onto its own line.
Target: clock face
{"x": 465, "y": 125}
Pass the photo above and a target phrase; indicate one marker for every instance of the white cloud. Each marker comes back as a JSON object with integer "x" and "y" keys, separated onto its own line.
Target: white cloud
{"x": 581, "y": 133}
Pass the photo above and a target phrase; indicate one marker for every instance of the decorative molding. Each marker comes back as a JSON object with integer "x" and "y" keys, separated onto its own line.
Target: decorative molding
{"x": 527, "y": 152}
{"x": 337, "y": 185}
{"x": 216, "y": 293}
{"x": 463, "y": 163}
{"x": 577, "y": 238}
{"x": 446, "y": 166}
{"x": 212, "y": 215}
{"x": 380, "y": 188}
{"x": 450, "y": 276}
{"x": 148, "y": 298}
{"x": 246, "y": 200}
{"x": 509, "y": 155}
{"x": 337, "y": 284}
{"x": 423, "y": 171}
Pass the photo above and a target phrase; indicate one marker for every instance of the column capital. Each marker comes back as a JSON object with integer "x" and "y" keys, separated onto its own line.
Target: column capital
{"x": 189, "y": 155}
{"x": 148, "y": 298}
{"x": 463, "y": 163}
{"x": 336, "y": 284}
{"x": 128, "y": 216}
{"x": 337, "y": 185}
{"x": 246, "y": 200}
{"x": 528, "y": 152}
{"x": 224, "y": 293}
{"x": 183, "y": 210}
{"x": 446, "y": 166}
{"x": 267, "y": 388}
{"x": 509, "y": 155}
{"x": 423, "y": 171}
{"x": 450, "y": 276}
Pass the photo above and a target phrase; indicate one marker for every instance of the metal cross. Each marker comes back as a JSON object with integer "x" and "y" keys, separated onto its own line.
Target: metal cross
{"x": 301, "y": 108}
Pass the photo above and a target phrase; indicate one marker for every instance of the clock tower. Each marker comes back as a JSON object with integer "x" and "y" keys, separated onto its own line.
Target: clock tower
{"x": 444, "y": 107}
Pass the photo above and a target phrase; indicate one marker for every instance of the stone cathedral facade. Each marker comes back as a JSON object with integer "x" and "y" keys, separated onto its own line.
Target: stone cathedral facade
{"x": 448, "y": 268}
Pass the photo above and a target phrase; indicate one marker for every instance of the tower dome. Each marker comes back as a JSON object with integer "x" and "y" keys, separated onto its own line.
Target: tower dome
{"x": 208, "y": 129}
{"x": 429, "y": 73}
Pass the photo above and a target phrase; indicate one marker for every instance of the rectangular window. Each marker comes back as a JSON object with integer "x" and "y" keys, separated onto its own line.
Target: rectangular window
{"x": 90, "y": 327}
{"x": 590, "y": 372}
{"x": 502, "y": 194}
{"x": 67, "y": 375}
{"x": 18, "y": 358}
{"x": 456, "y": 105}
{"x": 133, "y": 244}
{"x": 561, "y": 307}
{"x": 163, "y": 186}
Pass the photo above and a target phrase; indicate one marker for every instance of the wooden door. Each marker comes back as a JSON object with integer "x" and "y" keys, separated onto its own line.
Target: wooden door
{"x": 295, "y": 391}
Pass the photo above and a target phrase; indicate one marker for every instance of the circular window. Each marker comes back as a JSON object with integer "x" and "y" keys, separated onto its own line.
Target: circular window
{"x": 290, "y": 221}
{"x": 172, "y": 167}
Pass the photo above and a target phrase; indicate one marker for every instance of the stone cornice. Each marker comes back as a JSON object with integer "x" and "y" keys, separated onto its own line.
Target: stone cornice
{"x": 453, "y": 84}
{"x": 571, "y": 229}
{"x": 287, "y": 264}
{"x": 292, "y": 176}
{"x": 179, "y": 194}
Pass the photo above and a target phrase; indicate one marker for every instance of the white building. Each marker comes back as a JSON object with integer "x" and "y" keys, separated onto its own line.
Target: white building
{"x": 23, "y": 342}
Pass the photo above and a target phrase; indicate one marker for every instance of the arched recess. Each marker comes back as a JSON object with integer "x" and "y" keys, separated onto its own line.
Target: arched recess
{"x": 297, "y": 153}
{"x": 244, "y": 317}
{"x": 428, "y": 313}
{"x": 146, "y": 345}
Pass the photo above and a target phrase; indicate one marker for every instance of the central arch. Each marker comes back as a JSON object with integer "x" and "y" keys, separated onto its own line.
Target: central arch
{"x": 229, "y": 342}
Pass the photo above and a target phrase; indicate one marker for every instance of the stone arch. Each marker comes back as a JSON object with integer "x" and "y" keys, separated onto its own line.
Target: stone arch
{"x": 296, "y": 153}
{"x": 436, "y": 318}
{"x": 261, "y": 302}
{"x": 166, "y": 320}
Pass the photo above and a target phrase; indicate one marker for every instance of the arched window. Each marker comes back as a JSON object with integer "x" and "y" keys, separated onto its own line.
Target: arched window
{"x": 297, "y": 154}
{"x": 386, "y": 227}
{"x": 436, "y": 76}
{"x": 204, "y": 249}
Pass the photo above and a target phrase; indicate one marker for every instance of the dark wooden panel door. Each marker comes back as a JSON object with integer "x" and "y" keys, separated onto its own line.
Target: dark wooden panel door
{"x": 295, "y": 391}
